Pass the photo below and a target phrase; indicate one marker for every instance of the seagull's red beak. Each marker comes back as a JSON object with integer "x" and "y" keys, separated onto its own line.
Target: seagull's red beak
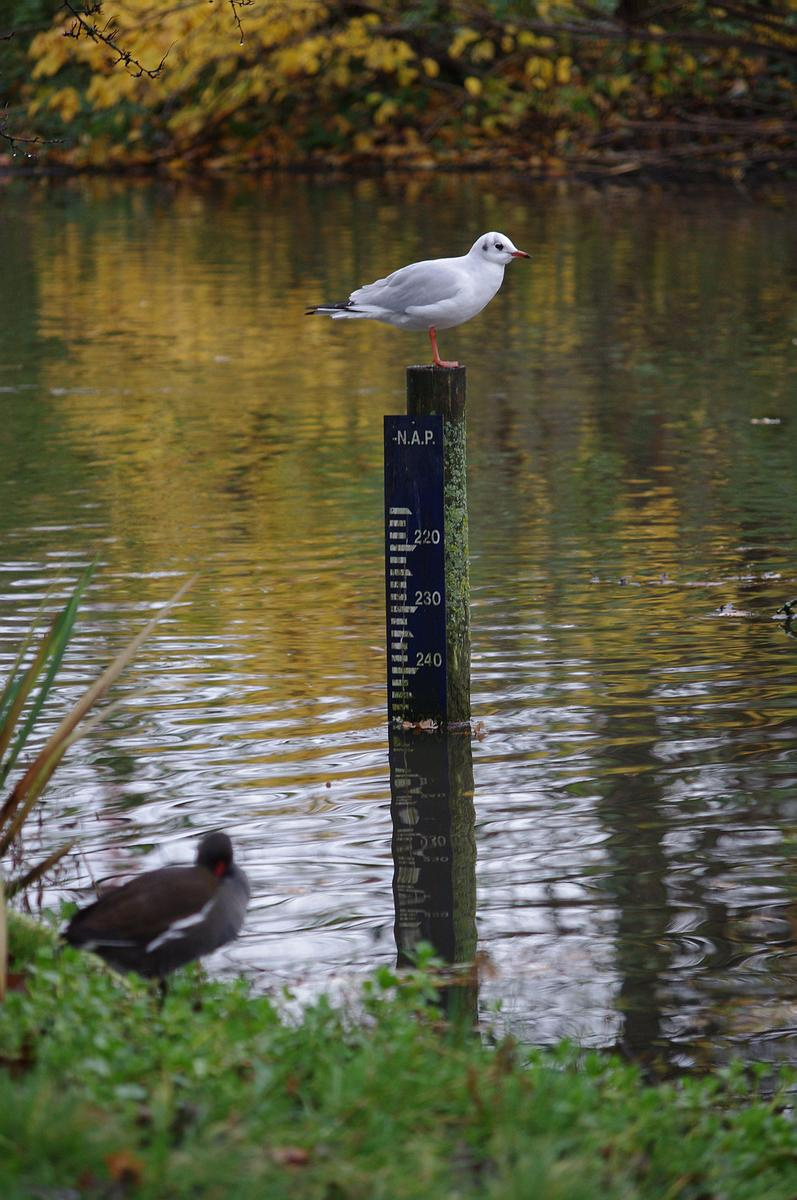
{"x": 520, "y": 254}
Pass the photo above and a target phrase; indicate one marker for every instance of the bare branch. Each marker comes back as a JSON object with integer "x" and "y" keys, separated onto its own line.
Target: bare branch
{"x": 14, "y": 140}
{"x": 83, "y": 26}
{"x": 235, "y": 5}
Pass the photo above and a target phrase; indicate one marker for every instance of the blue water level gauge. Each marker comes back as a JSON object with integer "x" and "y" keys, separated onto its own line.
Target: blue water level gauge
{"x": 415, "y": 569}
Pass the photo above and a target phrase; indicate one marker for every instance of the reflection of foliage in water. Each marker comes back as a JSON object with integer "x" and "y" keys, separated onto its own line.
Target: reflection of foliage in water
{"x": 167, "y": 396}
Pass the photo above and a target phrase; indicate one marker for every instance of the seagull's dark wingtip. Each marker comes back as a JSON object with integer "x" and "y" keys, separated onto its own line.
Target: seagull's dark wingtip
{"x": 329, "y": 310}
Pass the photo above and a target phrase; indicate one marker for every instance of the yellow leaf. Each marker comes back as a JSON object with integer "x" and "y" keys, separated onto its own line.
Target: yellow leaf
{"x": 483, "y": 51}
{"x": 463, "y": 38}
{"x": 563, "y": 66}
{"x": 50, "y": 62}
{"x": 431, "y": 67}
{"x": 65, "y": 102}
{"x": 473, "y": 86}
{"x": 386, "y": 110}
{"x": 618, "y": 85}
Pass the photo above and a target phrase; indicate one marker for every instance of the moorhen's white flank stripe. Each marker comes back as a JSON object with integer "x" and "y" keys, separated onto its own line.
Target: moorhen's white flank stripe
{"x": 179, "y": 929}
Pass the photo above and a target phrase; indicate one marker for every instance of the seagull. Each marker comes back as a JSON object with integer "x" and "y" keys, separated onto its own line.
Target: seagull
{"x": 437, "y": 293}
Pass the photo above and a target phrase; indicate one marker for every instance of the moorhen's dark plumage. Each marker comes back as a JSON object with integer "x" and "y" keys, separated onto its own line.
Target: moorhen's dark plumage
{"x": 166, "y": 918}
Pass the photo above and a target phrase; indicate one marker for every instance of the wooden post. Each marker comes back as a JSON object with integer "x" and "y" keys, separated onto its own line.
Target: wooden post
{"x": 433, "y": 390}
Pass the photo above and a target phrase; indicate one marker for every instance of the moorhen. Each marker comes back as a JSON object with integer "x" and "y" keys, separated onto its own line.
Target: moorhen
{"x": 166, "y": 918}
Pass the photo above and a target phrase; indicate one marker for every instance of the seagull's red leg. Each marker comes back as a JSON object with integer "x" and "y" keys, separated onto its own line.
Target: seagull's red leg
{"x": 438, "y": 361}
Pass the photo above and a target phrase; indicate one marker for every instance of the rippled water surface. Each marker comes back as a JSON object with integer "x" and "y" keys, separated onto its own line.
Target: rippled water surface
{"x": 624, "y": 854}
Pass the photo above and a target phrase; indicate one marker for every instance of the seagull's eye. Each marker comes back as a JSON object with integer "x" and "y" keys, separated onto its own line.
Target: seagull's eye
{"x": 499, "y": 245}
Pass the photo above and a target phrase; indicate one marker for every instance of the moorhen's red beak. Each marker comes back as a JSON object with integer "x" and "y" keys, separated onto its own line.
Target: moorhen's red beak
{"x": 520, "y": 254}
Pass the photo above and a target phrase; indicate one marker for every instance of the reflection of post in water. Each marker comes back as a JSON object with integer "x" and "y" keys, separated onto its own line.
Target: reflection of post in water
{"x": 630, "y": 810}
{"x": 434, "y": 852}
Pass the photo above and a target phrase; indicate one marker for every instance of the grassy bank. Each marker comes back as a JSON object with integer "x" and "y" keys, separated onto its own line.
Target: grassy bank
{"x": 104, "y": 1095}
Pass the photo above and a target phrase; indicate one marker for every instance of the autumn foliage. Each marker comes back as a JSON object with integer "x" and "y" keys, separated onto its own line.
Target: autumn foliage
{"x": 532, "y": 83}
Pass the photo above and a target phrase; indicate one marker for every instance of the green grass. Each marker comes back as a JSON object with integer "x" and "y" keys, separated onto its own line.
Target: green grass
{"x": 217, "y": 1095}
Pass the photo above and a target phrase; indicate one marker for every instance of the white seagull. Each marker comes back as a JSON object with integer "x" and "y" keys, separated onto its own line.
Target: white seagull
{"x": 438, "y": 293}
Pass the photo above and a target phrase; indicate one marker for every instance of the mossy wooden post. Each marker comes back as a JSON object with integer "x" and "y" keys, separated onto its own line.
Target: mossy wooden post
{"x": 442, "y": 390}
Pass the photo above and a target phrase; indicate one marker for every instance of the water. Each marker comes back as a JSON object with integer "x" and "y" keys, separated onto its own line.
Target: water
{"x": 633, "y": 498}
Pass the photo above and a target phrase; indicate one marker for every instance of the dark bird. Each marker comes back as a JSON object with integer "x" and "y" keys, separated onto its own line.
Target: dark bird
{"x": 166, "y": 918}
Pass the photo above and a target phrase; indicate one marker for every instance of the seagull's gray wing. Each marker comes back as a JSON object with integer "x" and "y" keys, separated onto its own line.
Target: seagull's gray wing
{"x": 416, "y": 286}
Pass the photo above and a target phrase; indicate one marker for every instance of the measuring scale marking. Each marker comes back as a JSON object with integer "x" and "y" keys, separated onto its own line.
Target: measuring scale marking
{"x": 415, "y": 568}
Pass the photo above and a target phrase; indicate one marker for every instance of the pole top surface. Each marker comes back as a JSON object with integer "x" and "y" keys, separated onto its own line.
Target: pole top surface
{"x": 430, "y": 368}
